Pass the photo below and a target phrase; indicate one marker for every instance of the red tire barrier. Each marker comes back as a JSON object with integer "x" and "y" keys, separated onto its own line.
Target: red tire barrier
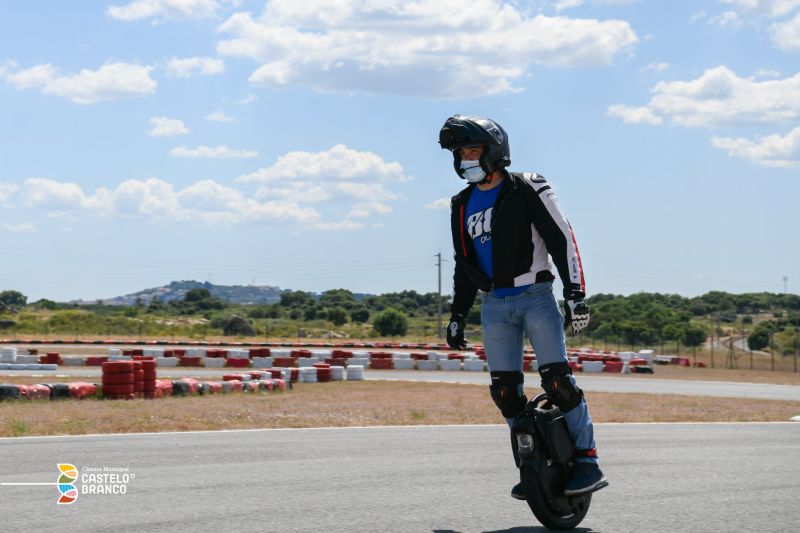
{"x": 382, "y": 364}
{"x": 118, "y": 379}
{"x": 236, "y": 385}
{"x": 613, "y": 366}
{"x": 526, "y": 366}
{"x": 453, "y": 356}
{"x": 336, "y": 361}
{"x": 189, "y": 361}
{"x": 96, "y": 361}
{"x": 118, "y": 367}
{"x": 576, "y": 367}
{"x": 34, "y": 392}
{"x": 284, "y": 362}
{"x": 81, "y": 390}
{"x": 276, "y": 373}
{"x": 149, "y": 376}
{"x": 165, "y": 387}
{"x": 118, "y": 389}
{"x": 237, "y": 363}
{"x": 419, "y": 356}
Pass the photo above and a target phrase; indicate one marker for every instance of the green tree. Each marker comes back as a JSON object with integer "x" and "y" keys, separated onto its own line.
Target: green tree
{"x": 295, "y": 298}
{"x": 337, "y": 315}
{"x": 15, "y": 298}
{"x": 390, "y": 322}
{"x": 359, "y": 315}
{"x": 694, "y": 335}
{"x": 338, "y": 298}
{"x": 758, "y": 340}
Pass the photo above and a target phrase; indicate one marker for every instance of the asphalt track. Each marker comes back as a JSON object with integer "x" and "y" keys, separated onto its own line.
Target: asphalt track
{"x": 603, "y": 383}
{"x": 447, "y": 479}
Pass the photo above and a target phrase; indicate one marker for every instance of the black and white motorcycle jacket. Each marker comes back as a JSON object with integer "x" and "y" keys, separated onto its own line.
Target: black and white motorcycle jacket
{"x": 528, "y": 228}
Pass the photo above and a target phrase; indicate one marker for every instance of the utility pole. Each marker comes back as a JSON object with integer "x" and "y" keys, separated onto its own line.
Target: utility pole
{"x": 439, "y": 314}
{"x": 785, "y": 284}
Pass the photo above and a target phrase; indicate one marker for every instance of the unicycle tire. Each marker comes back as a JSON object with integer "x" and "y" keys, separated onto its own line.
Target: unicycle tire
{"x": 544, "y": 511}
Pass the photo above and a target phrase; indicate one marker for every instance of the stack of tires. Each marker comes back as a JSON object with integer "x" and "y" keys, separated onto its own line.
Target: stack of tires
{"x": 149, "y": 378}
{"x": 118, "y": 380}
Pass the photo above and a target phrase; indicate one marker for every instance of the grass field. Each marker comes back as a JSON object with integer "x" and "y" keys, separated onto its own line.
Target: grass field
{"x": 366, "y": 403}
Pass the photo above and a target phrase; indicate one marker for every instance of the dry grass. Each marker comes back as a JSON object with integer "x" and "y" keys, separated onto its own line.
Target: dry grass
{"x": 366, "y": 403}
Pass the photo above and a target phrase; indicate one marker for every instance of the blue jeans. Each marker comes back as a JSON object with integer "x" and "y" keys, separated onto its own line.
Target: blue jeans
{"x": 534, "y": 314}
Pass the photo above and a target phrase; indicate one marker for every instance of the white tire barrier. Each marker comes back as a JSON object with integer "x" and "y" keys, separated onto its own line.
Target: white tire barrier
{"x": 308, "y": 374}
{"x": 213, "y": 362}
{"x": 473, "y": 365}
{"x": 433, "y": 356}
{"x": 337, "y": 373}
{"x": 153, "y": 352}
{"x": 120, "y": 358}
{"x": 321, "y": 354}
{"x": 280, "y": 352}
{"x": 427, "y": 365}
{"x": 72, "y": 361}
{"x": 8, "y": 354}
{"x": 593, "y": 366}
{"x": 361, "y": 354}
{"x": 358, "y": 361}
{"x": 48, "y": 366}
{"x": 534, "y": 366}
{"x": 262, "y": 362}
{"x": 304, "y": 362}
{"x": 355, "y": 373}
{"x": 169, "y": 362}
{"x": 113, "y": 352}
{"x": 238, "y": 354}
{"x": 647, "y": 355}
{"x": 450, "y": 364}
{"x": 400, "y": 355}
{"x": 27, "y": 359}
{"x": 16, "y": 366}
{"x": 403, "y": 364}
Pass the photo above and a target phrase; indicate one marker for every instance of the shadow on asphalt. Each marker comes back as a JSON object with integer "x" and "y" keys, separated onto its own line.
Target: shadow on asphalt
{"x": 525, "y": 529}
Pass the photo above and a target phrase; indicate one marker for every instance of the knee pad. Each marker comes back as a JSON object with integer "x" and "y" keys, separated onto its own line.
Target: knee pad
{"x": 506, "y": 391}
{"x": 559, "y": 387}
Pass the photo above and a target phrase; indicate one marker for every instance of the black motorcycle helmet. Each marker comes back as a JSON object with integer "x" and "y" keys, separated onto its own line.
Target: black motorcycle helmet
{"x": 460, "y": 131}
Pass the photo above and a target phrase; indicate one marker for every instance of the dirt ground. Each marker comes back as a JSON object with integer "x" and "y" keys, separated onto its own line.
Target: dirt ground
{"x": 366, "y": 403}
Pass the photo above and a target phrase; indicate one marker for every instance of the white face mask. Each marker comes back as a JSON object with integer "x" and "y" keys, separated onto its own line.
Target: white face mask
{"x": 473, "y": 172}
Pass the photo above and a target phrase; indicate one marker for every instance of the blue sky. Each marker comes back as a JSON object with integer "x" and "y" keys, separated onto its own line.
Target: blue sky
{"x": 294, "y": 143}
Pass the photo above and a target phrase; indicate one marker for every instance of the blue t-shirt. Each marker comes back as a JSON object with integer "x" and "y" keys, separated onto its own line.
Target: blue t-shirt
{"x": 478, "y": 224}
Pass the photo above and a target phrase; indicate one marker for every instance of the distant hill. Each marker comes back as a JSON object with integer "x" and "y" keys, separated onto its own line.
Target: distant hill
{"x": 176, "y": 290}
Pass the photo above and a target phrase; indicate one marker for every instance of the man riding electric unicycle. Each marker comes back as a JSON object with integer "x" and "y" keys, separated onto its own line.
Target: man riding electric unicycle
{"x": 506, "y": 227}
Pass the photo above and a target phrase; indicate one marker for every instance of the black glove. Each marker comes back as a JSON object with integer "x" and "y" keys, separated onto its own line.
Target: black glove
{"x": 576, "y": 312}
{"x": 455, "y": 332}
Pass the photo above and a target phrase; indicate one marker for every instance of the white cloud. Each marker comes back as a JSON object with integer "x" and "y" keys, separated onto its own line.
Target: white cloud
{"x": 767, "y": 8}
{"x": 720, "y": 97}
{"x": 337, "y": 163}
{"x": 726, "y": 19}
{"x": 786, "y": 35}
{"x": 6, "y": 191}
{"x": 249, "y": 99}
{"x": 634, "y": 115}
{"x": 219, "y": 116}
{"x": 441, "y": 203}
{"x": 186, "y": 67}
{"x": 157, "y": 200}
{"x": 112, "y": 81}
{"x": 561, "y": 5}
{"x": 655, "y": 67}
{"x": 428, "y": 47}
{"x": 167, "y": 127}
{"x": 700, "y": 15}
{"x": 212, "y": 152}
{"x": 772, "y": 150}
{"x": 767, "y": 73}
{"x": 161, "y": 10}
{"x": 21, "y": 227}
